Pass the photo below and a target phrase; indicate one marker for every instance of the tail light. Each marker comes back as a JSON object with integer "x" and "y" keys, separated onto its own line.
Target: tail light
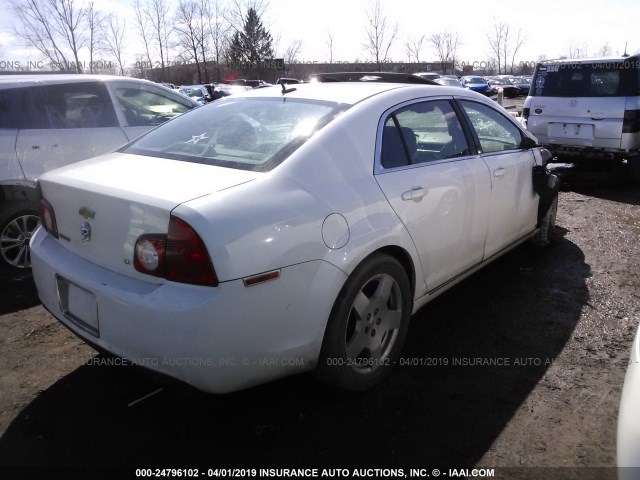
{"x": 179, "y": 256}
{"x": 631, "y": 123}
{"x": 48, "y": 217}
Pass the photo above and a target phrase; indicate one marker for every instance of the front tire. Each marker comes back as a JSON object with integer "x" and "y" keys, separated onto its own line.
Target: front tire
{"x": 367, "y": 326}
{"x": 544, "y": 235}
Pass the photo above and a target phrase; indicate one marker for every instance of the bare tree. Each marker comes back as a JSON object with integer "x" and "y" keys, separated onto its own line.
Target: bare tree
{"x": 379, "y": 34}
{"x": 292, "y": 52}
{"x": 446, "y": 46}
{"x": 144, "y": 31}
{"x": 157, "y": 12}
{"x": 54, "y": 27}
{"x": 330, "y": 38}
{"x": 497, "y": 42}
{"x": 115, "y": 40}
{"x": 218, "y": 31}
{"x": 605, "y": 50}
{"x": 190, "y": 29}
{"x": 503, "y": 46}
{"x": 414, "y": 47}
{"x": 516, "y": 47}
{"x": 577, "y": 51}
{"x": 95, "y": 24}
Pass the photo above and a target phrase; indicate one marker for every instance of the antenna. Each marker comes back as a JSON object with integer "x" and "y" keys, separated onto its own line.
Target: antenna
{"x": 625, "y": 54}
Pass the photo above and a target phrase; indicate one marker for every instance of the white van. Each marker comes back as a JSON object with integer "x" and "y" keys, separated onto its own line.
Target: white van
{"x": 48, "y": 121}
{"x": 587, "y": 109}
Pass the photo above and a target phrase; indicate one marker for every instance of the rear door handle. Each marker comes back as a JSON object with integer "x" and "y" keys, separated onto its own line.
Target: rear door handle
{"x": 416, "y": 194}
{"x": 499, "y": 172}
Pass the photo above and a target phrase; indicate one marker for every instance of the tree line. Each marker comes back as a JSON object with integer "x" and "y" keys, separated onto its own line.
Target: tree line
{"x": 211, "y": 33}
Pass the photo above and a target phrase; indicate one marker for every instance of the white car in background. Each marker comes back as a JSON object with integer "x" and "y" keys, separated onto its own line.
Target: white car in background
{"x": 629, "y": 418}
{"x": 48, "y": 121}
{"x": 278, "y": 232}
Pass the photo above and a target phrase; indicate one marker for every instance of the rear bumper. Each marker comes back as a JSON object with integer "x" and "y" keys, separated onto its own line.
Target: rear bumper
{"x": 218, "y": 339}
{"x": 577, "y": 153}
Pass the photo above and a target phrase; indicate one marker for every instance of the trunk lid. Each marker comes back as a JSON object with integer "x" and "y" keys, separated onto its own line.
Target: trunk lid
{"x": 103, "y": 205}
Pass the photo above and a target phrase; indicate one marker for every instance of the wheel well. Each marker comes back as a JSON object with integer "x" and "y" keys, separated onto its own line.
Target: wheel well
{"x": 18, "y": 193}
{"x": 402, "y": 256}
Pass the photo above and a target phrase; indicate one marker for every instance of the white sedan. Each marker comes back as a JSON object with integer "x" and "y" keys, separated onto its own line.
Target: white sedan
{"x": 284, "y": 231}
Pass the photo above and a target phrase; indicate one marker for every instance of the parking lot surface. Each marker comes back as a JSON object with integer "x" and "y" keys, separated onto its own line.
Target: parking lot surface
{"x": 519, "y": 367}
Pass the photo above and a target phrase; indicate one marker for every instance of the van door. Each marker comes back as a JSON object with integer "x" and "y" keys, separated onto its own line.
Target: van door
{"x": 581, "y": 104}
{"x": 10, "y": 114}
{"x": 64, "y": 124}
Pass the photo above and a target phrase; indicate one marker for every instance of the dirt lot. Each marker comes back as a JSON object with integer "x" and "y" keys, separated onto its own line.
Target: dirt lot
{"x": 561, "y": 319}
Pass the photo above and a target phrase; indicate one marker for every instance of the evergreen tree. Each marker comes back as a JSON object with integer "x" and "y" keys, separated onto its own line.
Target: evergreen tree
{"x": 251, "y": 46}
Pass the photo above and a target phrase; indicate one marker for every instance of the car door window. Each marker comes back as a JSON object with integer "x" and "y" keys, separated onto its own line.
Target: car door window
{"x": 145, "y": 106}
{"x": 495, "y": 132}
{"x": 422, "y": 132}
{"x": 69, "y": 105}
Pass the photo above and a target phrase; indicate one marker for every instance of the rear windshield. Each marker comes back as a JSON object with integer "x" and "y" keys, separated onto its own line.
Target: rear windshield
{"x": 245, "y": 133}
{"x": 602, "y": 79}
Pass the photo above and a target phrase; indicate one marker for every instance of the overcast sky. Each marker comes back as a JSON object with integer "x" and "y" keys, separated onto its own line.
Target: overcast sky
{"x": 551, "y": 27}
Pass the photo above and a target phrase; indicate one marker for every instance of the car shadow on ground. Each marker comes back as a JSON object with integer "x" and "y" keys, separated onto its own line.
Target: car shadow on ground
{"x": 18, "y": 291}
{"x": 627, "y": 193}
{"x": 431, "y": 413}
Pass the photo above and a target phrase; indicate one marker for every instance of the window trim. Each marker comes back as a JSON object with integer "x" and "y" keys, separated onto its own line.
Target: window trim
{"x": 378, "y": 169}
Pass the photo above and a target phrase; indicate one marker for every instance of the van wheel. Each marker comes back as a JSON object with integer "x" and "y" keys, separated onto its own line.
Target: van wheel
{"x": 544, "y": 235}
{"x": 367, "y": 326}
{"x": 15, "y": 233}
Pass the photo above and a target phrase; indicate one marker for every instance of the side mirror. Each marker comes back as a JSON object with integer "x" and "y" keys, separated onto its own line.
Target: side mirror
{"x": 546, "y": 156}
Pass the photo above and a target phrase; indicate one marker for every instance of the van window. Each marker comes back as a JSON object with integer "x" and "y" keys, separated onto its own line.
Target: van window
{"x": 599, "y": 79}
{"x": 10, "y": 108}
{"x": 70, "y": 105}
{"x": 144, "y": 106}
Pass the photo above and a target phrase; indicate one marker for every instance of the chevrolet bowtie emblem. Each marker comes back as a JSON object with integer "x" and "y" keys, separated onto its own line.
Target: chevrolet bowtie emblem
{"x": 85, "y": 231}
{"x": 87, "y": 213}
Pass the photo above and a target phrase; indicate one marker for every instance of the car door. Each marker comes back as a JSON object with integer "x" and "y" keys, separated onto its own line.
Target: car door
{"x": 65, "y": 123}
{"x": 142, "y": 106}
{"x": 513, "y": 203}
{"x": 437, "y": 186}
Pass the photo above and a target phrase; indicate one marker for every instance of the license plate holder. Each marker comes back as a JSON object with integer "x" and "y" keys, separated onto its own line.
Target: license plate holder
{"x": 78, "y": 305}
{"x": 583, "y": 131}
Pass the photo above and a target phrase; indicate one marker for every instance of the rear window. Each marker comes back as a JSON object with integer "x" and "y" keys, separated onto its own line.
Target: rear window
{"x": 245, "y": 133}
{"x": 601, "y": 79}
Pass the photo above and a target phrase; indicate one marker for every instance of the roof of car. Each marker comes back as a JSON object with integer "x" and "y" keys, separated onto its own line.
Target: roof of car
{"x": 12, "y": 81}
{"x": 348, "y": 93}
{"x": 592, "y": 60}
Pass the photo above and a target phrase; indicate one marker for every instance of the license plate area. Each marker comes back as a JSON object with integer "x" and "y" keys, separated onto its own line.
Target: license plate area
{"x": 582, "y": 131}
{"x": 78, "y": 305}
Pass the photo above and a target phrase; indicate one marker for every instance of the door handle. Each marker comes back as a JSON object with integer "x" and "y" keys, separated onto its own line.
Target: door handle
{"x": 499, "y": 172}
{"x": 415, "y": 194}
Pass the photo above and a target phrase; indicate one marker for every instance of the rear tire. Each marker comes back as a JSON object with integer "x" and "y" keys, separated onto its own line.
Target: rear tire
{"x": 545, "y": 234}
{"x": 367, "y": 326}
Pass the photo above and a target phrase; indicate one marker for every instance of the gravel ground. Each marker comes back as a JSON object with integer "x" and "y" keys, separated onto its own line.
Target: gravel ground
{"x": 560, "y": 320}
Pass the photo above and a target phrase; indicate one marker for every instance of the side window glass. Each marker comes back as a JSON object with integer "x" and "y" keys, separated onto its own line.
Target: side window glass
{"x": 494, "y": 131}
{"x": 427, "y": 131}
{"x": 10, "y": 108}
{"x": 143, "y": 106}
{"x": 73, "y": 105}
